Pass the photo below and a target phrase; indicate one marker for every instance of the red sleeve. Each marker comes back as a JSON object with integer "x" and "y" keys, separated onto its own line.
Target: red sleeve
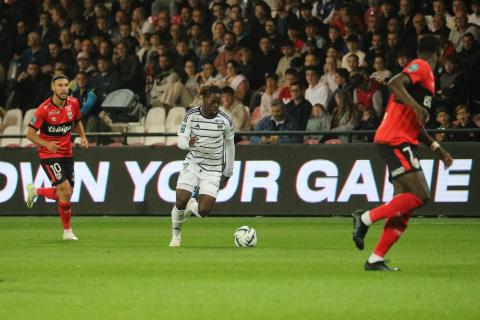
{"x": 417, "y": 71}
{"x": 37, "y": 119}
{"x": 76, "y": 107}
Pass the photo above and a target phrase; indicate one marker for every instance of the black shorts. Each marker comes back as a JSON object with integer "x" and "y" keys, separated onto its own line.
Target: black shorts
{"x": 58, "y": 170}
{"x": 400, "y": 159}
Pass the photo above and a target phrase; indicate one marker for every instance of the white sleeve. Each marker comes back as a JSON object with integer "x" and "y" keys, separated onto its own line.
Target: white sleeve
{"x": 229, "y": 150}
{"x": 184, "y": 131}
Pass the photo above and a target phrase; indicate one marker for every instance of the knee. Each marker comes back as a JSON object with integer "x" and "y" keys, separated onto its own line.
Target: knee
{"x": 65, "y": 194}
{"x": 204, "y": 210}
{"x": 181, "y": 204}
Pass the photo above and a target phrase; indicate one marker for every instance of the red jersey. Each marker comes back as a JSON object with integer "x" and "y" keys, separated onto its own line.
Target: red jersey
{"x": 55, "y": 124}
{"x": 400, "y": 123}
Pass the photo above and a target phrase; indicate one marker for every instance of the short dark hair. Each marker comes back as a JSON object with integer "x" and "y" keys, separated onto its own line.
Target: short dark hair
{"x": 343, "y": 73}
{"x": 429, "y": 44}
{"x": 58, "y": 77}
{"x": 228, "y": 90}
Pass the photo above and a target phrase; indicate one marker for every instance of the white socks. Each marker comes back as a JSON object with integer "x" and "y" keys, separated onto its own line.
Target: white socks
{"x": 177, "y": 220}
{"x": 193, "y": 207}
{"x": 366, "y": 218}
{"x": 374, "y": 258}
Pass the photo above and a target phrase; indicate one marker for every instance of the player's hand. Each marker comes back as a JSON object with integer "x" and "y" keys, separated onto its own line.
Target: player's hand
{"x": 223, "y": 182}
{"x": 192, "y": 141}
{"x": 422, "y": 115}
{"x": 445, "y": 156}
{"x": 84, "y": 142}
{"x": 51, "y": 146}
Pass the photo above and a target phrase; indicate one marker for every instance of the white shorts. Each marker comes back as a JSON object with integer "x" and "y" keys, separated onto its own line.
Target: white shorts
{"x": 193, "y": 176}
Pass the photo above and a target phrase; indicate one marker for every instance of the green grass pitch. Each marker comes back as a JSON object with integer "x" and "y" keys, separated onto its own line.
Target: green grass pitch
{"x": 302, "y": 268}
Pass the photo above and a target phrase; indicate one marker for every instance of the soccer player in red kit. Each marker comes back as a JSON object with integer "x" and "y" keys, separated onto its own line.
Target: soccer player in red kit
{"x": 397, "y": 139}
{"x": 54, "y": 119}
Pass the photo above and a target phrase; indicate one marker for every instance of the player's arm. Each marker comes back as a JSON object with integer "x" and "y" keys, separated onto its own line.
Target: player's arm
{"x": 81, "y": 132}
{"x": 427, "y": 140}
{"x": 185, "y": 140}
{"x": 229, "y": 155}
{"x": 397, "y": 85}
{"x": 35, "y": 138}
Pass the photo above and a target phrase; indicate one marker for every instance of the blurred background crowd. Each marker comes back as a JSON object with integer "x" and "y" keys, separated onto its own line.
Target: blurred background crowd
{"x": 283, "y": 64}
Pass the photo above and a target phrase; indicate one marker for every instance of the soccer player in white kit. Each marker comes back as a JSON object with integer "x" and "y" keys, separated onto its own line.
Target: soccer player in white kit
{"x": 207, "y": 133}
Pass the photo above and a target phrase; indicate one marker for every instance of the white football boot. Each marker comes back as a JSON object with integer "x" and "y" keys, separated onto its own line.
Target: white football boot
{"x": 31, "y": 195}
{"x": 68, "y": 235}
{"x": 175, "y": 242}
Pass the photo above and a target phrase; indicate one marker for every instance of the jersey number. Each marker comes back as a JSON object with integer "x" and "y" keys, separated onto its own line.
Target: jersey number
{"x": 56, "y": 168}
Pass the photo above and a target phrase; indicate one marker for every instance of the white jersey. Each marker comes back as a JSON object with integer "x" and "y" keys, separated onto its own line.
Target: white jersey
{"x": 208, "y": 152}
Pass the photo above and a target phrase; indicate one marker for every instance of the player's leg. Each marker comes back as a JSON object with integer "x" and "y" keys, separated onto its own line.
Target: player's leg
{"x": 208, "y": 192}
{"x": 187, "y": 182}
{"x": 406, "y": 171}
{"x": 48, "y": 166}
{"x": 393, "y": 229}
{"x": 64, "y": 193}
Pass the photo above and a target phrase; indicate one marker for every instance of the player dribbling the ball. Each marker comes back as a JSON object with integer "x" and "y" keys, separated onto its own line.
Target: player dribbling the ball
{"x": 207, "y": 133}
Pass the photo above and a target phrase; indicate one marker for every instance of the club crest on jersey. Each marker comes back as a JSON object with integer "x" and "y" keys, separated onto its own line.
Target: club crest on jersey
{"x": 413, "y": 67}
{"x": 70, "y": 115}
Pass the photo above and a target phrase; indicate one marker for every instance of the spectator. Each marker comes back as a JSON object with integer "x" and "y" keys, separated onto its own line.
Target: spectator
{"x": 291, "y": 76}
{"x": 30, "y": 89}
{"x": 316, "y": 92}
{"x": 377, "y": 49}
{"x": 440, "y": 10}
{"x": 207, "y": 54}
{"x": 462, "y": 27}
{"x": 230, "y": 51}
{"x": 84, "y": 93}
{"x": 244, "y": 37}
{"x": 353, "y": 63}
{"x": 381, "y": 74}
{"x": 285, "y": 17}
{"x": 474, "y": 17}
{"x": 46, "y": 30}
{"x": 368, "y": 121}
{"x": 270, "y": 31}
{"x": 183, "y": 54}
{"x": 293, "y": 35}
{"x": 271, "y": 93}
{"x": 442, "y": 118}
{"x": 319, "y": 121}
{"x": 440, "y": 26}
{"x": 219, "y": 13}
{"x": 288, "y": 53}
{"x": 129, "y": 69}
{"x": 469, "y": 56}
{"x": 451, "y": 90}
{"x": 335, "y": 40}
{"x": 265, "y": 62}
{"x": 278, "y": 121}
{"x": 20, "y": 39}
{"x": 34, "y": 52}
{"x": 367, "y": 94}
{"x": 246, "y": 65}
{"x": 345, "y": 115}
{"x": 352, "y": 45}
{"x": 84, "y": 65}
{"x": 328, "y": 78}
{"x": 235, "y": 109}
{"x": 190, "y": 83}
{"x": 476, "y": 122}
{"x": 312, "y": 34}
{"x": 207, "y": 74}
{"x": 167, "y": 87}
{"x": 219, "y": 31}
{"x": 299, "y": 108}
{"x": 195, "y": 34}
{"x": 462, "y": 114}
{"x": 238, "y": 82}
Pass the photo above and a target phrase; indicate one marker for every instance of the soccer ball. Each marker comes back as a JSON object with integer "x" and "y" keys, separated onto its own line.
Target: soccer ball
{"x": 245, "y": 236}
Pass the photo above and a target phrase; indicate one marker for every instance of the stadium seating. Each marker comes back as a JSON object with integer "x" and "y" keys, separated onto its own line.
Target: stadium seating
{"x": 10, "y": 142}
{"x": 155, "y": 117}
{"x": 135, "y": 140}
{"x": 172, "y": 141}
{"x": 27, "y": 118}
{"x": 13, "y": 118}
{"x": 174, "y": 118}
{"x": 155, "y": 140}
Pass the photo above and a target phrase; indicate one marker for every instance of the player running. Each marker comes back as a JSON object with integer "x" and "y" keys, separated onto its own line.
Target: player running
{"x": 54, "y": 118}
{"x": 208, "y": 135}
{"x": 397, "y": 140}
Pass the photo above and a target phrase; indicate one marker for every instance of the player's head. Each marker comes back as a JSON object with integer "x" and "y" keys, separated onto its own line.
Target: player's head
{"x": 59, "y": 85}
{"x": 429, "y": 46}
{"x": 211, "y": 95}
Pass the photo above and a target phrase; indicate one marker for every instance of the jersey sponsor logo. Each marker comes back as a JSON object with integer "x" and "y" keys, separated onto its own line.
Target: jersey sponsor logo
{"x": 59, "y": 130}
{"x": 398, "y": 172}
{"x": 413, "y": 67}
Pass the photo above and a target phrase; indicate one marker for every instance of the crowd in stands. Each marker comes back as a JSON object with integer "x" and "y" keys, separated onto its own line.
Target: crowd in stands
{"x": 284, "y": 64}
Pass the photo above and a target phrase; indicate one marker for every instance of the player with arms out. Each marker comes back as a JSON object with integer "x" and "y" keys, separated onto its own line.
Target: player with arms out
{"x": 208, "y": 135}
{"x": 397, "y": 139}
{"x": 54, "y": 119}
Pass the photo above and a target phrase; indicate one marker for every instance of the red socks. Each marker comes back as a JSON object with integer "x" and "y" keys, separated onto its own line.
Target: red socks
{"x": 50, "y": 193}
{"x": 399, "y": 205}
{"x": 65, "y": 211}
{"x": 394, "y": 227}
